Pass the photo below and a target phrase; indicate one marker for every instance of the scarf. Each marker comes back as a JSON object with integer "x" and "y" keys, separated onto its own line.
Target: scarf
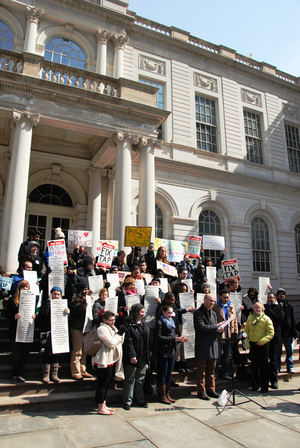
{"x": 257, "y": 319}
{"x": 169, "y": 323}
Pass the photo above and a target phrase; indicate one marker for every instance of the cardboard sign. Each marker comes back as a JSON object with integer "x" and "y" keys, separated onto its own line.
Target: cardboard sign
{"x": 175, "y": 249}
{"x": 105, "y": 253}
{"x": 213, "y": 242}
{"x": 137, "y": 236}
{"x": 194, "y": 246}
{"x": 167, "y": 269}
{"x": 82, "y": 237}
{"x": 230, "y": 269}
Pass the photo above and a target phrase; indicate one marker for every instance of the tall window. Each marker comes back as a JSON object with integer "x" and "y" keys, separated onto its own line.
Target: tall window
{"x": 253, "y": 134}
{"x": 293, "y": 147}
{"x": 261, "y": 252}
{"x": 50, "y": 194}
{"x": 6, "y": 37}
{"x": 159, "y": 222}
{"x": 209, "y": 224}
{"x": 206, "y": 124}
{"x": 159, "y": 101}
{"x": 297, "y": 242}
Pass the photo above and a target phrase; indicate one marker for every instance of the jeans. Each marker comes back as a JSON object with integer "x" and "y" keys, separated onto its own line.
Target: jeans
{"x": 134, "y": 381}
{"x": 288, "y": 343}
{"x": 224, "y": 347}
{"x": 164, "y": 370}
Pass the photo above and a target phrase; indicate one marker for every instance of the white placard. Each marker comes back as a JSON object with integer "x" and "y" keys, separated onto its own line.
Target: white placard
{"x": 59, "y": 326}
{"x": 57, "y": 253}
{"x": 187, "y": 301}
{"x": 111, "y": 304}
{"x": 87, "y": 326}
{"x": 140, "y": 286}
{"x": 148, "y": 278}
{"x": 5, "y": 283}
{"x": 113, "y": 279}
{"x": 25, "y": 325}
{"x": 236, "y": 299}
{"x": 95, "y": 284}
{"x": 189, "y": 283}
{"x": 164, "y": 285}
{"x": 200, "y": 298}
{"x": 227, "y": 322}
{"x": 213, "y": 242}
{"x": 151, "y": 295}
{"x": 263, "y": 288}
{"x": 57, "y": 278}
{"x": 81, "y": 237}
{"x": 230, "y": 269}
{"x": 131, "y": 299}
{"x": 31, "y": 277}
{"x": 211, "y": 274}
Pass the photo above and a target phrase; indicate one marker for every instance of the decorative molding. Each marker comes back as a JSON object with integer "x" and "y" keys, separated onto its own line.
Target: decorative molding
{"x": 120, "y": 40}
{"x": 94, "y": 170}
{"x": 102, "y": 36}
{"x": 146, "y": 141}
{"x": 152, "y": 65}
{"x": 24, "y": 115}
{"x": 205, "y": 82}
{"x": 251, "y": 97}
{"x": 213, "y": 195}
{"x": 56, "y": 168}
{"x": 33, "y": 15}
{"x": 290, "y": 110}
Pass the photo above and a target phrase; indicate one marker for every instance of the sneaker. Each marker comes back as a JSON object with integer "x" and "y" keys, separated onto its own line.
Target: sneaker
{"x": 21, "y": 379}
{"x": 14, "y": 380}
{"x": 127, "y": 407}
{"x": 227, "y": 377}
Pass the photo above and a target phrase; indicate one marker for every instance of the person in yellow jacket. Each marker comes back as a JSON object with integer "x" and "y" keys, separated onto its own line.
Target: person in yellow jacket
{"x": 260, "y": 330}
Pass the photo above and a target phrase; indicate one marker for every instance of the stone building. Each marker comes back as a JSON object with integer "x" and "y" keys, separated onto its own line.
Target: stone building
{"x": 108, "y": 119}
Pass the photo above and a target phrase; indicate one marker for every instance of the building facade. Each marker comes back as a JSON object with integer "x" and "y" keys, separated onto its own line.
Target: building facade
{"x": 108, "y": 119}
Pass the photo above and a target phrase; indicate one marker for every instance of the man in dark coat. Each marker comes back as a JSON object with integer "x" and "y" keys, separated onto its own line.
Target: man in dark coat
{"x": 206, "y": 347}
{"x": 288, "y": 331}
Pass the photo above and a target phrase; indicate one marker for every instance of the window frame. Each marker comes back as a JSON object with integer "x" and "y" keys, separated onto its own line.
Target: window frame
{"x": 258, "y": 139}
{"x": 213, "y": 254}
{"x": 262, "y": 251}
{"x": 297, "y": 246}
{"x": 155, "y": 83}
{"x": 215, "y": 126}
{"x": 288, "y": 148}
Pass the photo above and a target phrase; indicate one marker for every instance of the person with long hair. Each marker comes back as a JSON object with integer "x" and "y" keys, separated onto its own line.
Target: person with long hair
{"x": 99, "y": 306}
{"x": 19, "y": 349}
{"x": 249, "y": 300}
{"x": 162, "y": 255}
{"x": 136, "y": 356}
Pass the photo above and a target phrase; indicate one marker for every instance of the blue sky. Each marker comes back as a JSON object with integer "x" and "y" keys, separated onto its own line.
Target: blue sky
{"x": 266, "y": 28}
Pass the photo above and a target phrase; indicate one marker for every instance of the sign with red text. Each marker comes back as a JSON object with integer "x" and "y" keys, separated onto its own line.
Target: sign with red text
{"x": 57, "y": 253}
{"x": 137, "y": 236}
{"x": 81, "y": 237}
{"x": 230, "y": 269}
{"x": 194, "y": 246}
{"x": 105, "y": 253}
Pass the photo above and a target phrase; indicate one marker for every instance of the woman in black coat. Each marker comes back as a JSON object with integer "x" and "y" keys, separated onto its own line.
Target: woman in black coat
{"x": 165, "y": 331}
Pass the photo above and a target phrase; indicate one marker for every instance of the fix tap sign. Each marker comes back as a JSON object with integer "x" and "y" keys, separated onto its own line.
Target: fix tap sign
{"x": 105, "y": 252}
{"x": 230, "y": 269}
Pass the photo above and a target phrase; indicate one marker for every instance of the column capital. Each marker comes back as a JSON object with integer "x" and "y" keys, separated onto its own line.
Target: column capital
{"x": 146, "y": 141}
{"x": 33, "y": 15}
{"x": 25, "y": 115}
{"x": 110, "y": 173}
{"x": 94, "y": 170}
{"x": 102, "y": 36}
{"x": 120, "y": 40}
{"x": 121, "y": 136}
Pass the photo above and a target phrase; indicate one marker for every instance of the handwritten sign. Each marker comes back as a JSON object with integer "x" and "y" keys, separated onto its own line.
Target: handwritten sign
{"x": 105, "y": 253}
{"x": 167, "y": 269}
{"x": 137, "y": 236}
{"x": 82, "y": 237}
{"x": 175, "y": 249}
{"x": 5, "y": 283}
{"x": 230, "y": 269}
{"x": 213, "y": 242}
{"x": 194, "y": 246}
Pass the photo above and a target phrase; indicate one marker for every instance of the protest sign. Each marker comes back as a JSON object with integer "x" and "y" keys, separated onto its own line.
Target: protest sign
{"x": 122, "y": 275}
{"x": 140, "y": 286}
{"x": 213, "y": 242}
{"x": 200, "y": 299}
{"x": 194, "y": 246}
{"x": 137, "y": 236}
{"x": 87, "y": 326}
{"x": 164, "y": 285}
{"x": 111, "y": 304}
{"x": 167, "y": 269}
{"x": 236, "y": 298}
{"x": 132, "y": 299}
{"x": 81, "y": 237}
{"x": 5, "y": 283}
{"x": 59, "y": 326}
{"x": 57, "y": 278}
{"x": 211, "y": 273}
{"x": 57, "y": 253}
{"x": 189, "y": 283}
{"x": 151, "y": 305}
{"x": 175, "y": 249}
{"x": 187, "y": 301}
{"x": 31, "y": 277}
{"x": 25, "y": 325}
{"x": 147, "y": 277}
{"x": 230, "y": 269}
{"x": 95, "y": 284}
{"x": 263, "y": 288}
{"x": 105, "y": 253}
{"x": 113, "y": 279}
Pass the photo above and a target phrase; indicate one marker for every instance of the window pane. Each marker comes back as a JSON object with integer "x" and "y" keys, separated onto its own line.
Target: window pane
{"x": 261, "y": 253}
{"x": 206, "y": 121}
{"x": 253, "y": 137}
{"x": 209, "y": 224}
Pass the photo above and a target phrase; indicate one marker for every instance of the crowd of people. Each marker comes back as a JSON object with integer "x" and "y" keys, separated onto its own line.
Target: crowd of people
{"x": 127, "y": 345}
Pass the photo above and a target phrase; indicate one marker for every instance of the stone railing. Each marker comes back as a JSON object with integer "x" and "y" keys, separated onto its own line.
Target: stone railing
{"x": 287, "y": 77}
{"x": 204, "y": 44}
{"x": 155, "y": 26}
{"x": 248, "y": 61}
{"x": 11, "y": 62}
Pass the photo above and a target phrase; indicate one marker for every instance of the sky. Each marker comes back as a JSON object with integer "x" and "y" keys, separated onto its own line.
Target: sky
{"x": 266, "y": 28}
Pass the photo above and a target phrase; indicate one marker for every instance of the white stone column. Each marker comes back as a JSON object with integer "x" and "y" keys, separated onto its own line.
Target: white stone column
{"x": 122, "y": 202}
{"x": 102, "y": 37}
{"x": 110, "y": 204}
{"x": 147, "y": 184}
{"x": 119, "y": 42}
{"x": 16, "y": 192}
{"x": 32, "y": 19}
{"x": 94, "y": 204}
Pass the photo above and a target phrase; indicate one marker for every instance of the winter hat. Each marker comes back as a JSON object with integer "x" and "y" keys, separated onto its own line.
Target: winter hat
{"x": 59, "y": 233}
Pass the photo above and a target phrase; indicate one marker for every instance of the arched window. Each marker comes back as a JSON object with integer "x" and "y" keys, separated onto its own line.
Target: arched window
{"x": 261, "y": 252}
{"x": 297, "y": 242}
{"x": 6, "y": 37}
{"x": 209, "y": 224}
{"x": 51, "y": 194}
{"x": 159, "y": 222}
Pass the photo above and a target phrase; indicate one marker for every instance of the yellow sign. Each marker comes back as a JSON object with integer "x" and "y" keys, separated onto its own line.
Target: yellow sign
{"x": 137, "y": 236}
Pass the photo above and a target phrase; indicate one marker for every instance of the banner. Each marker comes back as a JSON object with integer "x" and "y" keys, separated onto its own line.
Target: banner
{"x": 175, "y": 249}
{"x": 187, "y": 301}
{"x": 167, "y": 269}
{"x": 213, "y": 242}
{"x": 81, "y": 237}
{"x": 59, "y": 326}
{"x": 230, "y": 269}
{"x": 194, "y": 246}
{"x": 151, "y": 295}
{"x": 105, "y": 252}
{"x": 57, "y": 253}
{"x": 25, "y": 325}
{"x": 137, "y": 236}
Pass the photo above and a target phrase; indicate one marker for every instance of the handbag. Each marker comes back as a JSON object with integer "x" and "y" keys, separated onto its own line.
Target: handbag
{"x": 150, "y": 383}
{"x": 45, "y": 340}
{"x": 91, "y": 342}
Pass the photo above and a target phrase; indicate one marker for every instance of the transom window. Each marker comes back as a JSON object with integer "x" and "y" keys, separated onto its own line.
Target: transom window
{"x": 206, "y": 124}
{"x": 209, "y": 224}
{"x": 253, "y": 137}
{"x": 64, "y": 51}
{"x": 6, "y": 37}
{"x": 297, "y": 242}
{"x": 261, "y": 252}
{"x": 51, "y": 194}
{"x": 293, "y": 147}
{"x": 159, "y": 101}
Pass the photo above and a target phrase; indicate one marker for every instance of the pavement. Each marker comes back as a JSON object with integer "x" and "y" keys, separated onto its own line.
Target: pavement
{"x": 189, "y": 422}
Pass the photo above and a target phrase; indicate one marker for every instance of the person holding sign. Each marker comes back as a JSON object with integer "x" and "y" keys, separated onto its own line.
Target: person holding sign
{"x": 20, "y": 349}
{"x": 50, "y": 360}
{"x": 99, "y": 305}
{"x": 32, "y": 255}
{"x": 162, "y": 255}
{"x": 127, "y": 289}
{"x": 166, "y": 337}
{"x": 119, "y": 261}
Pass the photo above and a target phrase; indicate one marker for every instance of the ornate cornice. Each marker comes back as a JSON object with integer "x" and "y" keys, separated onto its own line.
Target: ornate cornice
{"x": 33, "y": 15}
{"x": 251, "y": 98}
{"x": 102, "y": 36}
{"x": 152, "y": 65}
{"x": 33, "y": 119}
{"x": 119, "y": 40}
{"x": 205, "y": 82}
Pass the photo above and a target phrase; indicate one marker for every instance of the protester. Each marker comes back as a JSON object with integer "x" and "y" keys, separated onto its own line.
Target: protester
{"x": 34, "y": 235}
{"x": 249, "y": 300}
{"x": 120, "y": 262}
{"x": 99, "y": 306}
{"x": 150, "y": 259}
{"x": 162, "y": 255}
{"x": 25, "y": 266}
{"x": 133, "y": 258}
{"x": 288, "y": 331}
